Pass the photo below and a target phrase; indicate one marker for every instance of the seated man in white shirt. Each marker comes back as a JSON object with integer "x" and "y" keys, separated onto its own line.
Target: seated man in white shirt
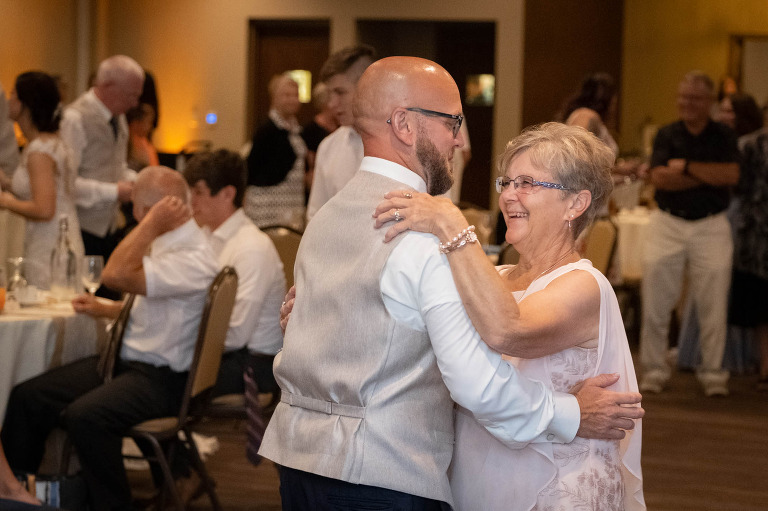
{"x": 171, "y": 285}
{"x": 218, "y": 181}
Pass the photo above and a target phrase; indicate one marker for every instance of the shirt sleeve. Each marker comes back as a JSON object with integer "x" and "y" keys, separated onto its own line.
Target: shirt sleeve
{"x": 661, "y": 149}
{"x": 256, "y": 272}
{"x": 514, "y": 409}
{"x": 182, "y": 271}
{"x": 318, "y": 193}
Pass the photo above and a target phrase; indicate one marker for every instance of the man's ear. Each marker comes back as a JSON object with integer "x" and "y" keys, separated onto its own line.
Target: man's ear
{"x": 402, "y": 128}
{"x": 229, "y": 192}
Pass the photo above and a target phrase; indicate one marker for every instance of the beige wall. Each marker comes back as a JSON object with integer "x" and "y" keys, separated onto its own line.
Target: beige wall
{"x": 38, "y": 35}
{"x": 663, "y": 39}
{"x": 197, "y": 50}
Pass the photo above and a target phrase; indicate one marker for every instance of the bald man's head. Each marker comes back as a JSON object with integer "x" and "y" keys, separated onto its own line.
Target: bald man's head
{"x": 408, "y": 110}
{"x": 154, "y": 183}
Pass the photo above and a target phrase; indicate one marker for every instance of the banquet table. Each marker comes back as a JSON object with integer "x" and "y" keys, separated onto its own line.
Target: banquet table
{"x": 34, "y": 339}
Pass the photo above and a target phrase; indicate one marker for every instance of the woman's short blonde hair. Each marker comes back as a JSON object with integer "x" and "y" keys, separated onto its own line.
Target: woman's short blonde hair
{"x": 575, "y": 157}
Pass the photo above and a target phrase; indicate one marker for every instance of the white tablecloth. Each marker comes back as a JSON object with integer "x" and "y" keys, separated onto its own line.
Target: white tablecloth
{"x": 633, "y": 227}
{"x": 35, "y": 339}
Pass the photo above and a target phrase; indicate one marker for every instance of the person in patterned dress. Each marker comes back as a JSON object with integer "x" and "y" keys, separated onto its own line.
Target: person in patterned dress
{"x": 553, "y": 315}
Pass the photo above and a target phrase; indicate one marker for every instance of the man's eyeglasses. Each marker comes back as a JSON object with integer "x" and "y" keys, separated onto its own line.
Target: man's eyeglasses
{"x": 525, "y": 184}
{"x": 458, "y": 119}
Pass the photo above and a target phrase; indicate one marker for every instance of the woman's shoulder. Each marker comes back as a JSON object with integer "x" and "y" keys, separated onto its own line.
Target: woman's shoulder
{"x": 582, "y": 115}
{"x": 49, "y": 144}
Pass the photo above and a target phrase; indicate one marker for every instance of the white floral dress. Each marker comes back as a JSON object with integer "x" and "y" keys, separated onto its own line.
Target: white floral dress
{"x": 581, "y": 475}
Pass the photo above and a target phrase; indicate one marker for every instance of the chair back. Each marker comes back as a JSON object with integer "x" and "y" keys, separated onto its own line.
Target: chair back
{"x": 601, "y": 244}
{"x": 286, "y": 242}
{"x": 482, "y": 219}
{"x": 209, "y": 347}
{"x": 111, "y": 352}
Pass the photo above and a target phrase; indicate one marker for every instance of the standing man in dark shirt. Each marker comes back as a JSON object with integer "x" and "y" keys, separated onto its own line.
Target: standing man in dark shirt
{"x": 694, "y": 162}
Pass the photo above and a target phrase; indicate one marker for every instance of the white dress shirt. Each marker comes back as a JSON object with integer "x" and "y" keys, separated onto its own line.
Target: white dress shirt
{"x": 89, "y": 192}
{"x": 162, "y": 328}
{"x": 255, "y": 319}
{"x": 338, "y": 158}
{"x": 418, "y": 289}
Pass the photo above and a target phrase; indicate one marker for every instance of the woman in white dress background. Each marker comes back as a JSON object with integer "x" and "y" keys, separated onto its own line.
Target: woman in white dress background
{"x": 553, "y": 311}
{"x": 43, "y": 186}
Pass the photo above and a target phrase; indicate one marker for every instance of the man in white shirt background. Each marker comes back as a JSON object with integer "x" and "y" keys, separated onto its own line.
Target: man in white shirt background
{"x": 171, "y": 286}
{"x": 95, "y": 128}
{"x": 339, "y": 154}
{"x": 378, "y": 344}
{"x": 217, "y": 181}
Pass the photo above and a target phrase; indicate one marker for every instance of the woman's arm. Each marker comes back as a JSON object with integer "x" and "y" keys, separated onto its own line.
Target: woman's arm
{"x": 42, "y": 182}
{"x": 564, "y": 314}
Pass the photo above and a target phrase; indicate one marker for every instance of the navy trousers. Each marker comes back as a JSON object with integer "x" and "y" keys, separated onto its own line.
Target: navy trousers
{"x": 302, "y": 491}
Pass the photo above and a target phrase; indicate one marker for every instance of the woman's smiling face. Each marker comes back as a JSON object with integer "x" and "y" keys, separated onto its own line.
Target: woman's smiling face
{"x": 532, "y": 219}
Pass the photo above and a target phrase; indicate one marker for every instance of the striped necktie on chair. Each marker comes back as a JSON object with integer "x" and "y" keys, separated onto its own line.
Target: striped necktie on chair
{"x": 255, "y": 424}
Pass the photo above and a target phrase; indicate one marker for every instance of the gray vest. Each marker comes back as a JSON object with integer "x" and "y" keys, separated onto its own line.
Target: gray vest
{"x": 102, "y": 159}
{"x": 363, "y": 399}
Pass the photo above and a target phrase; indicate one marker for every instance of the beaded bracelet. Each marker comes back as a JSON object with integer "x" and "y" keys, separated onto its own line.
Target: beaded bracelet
{"x": 466, "y": 236}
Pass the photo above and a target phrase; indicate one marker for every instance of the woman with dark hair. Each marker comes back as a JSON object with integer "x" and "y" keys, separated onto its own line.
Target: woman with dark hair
{"x": 43, "y": 186}
{"x": 594, "y": 109}
{"x": 741, "y": 113}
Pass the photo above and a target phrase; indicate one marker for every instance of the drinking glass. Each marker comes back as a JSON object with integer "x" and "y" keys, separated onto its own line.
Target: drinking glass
{"x": 16, "y": 281}
{"x": 91, "y": 272}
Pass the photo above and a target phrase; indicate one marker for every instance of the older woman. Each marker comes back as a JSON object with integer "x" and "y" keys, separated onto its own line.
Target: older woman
{"x": 42, "y": 189}
{"x": 553, "y": 312}
{"x": 275, "y": 193}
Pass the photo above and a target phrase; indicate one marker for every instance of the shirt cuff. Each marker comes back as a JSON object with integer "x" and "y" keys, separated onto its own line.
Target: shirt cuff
{"x": 565, "y": 422}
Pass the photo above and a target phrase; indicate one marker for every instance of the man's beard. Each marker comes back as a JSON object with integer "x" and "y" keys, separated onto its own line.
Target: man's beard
{"x": 438, "y": 174}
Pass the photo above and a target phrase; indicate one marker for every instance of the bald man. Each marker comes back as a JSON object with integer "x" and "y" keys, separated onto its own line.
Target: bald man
{"x": 379, "y": 346}
{"x": 171, "y": 285}
{"x": 94, "y": 127}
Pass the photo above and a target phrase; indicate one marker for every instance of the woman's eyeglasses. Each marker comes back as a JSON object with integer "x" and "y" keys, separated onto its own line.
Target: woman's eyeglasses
{"x": 525, "y": 184}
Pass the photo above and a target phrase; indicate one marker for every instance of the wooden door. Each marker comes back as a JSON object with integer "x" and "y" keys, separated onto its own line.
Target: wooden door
{"x": 276, "y": 46}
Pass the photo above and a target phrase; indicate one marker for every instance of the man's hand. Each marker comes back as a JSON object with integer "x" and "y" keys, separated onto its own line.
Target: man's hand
{"x": 606, "y": 414}
{"x": 86, "y": 303}
{"x": 287, "y": 307}
{"x": 167, "y": 214}
{"x": 124, "y": 191}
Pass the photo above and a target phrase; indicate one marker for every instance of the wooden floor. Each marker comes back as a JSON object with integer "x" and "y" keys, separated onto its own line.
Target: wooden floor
{"x": 698, "y": 454}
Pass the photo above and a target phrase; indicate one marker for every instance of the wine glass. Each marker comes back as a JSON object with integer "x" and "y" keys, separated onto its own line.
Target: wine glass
{"x": 91, "y": 272}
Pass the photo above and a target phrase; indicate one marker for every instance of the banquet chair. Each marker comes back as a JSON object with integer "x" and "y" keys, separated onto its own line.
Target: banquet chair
{"x": 600, "y": 244}
{"x": 286, "y": 242}
{"x": 482, "y": 220}
{"x": 203, "y": 372}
